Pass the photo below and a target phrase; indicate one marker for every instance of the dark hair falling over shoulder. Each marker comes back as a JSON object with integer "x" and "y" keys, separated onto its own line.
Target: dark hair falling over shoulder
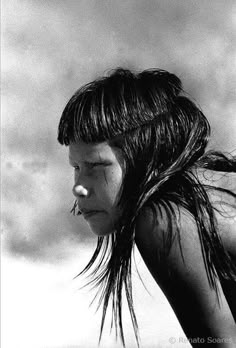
{"x": 162, "y": 136}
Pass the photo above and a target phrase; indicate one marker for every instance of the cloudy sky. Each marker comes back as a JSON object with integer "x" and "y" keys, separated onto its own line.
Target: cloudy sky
{"x": 50, "y": 48}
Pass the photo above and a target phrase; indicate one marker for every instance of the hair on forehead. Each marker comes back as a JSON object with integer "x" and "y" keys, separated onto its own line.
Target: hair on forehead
{"x": 117, "y": 103}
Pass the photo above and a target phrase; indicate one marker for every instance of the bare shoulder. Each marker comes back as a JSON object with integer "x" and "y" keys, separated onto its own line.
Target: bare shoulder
{"x": 159, "y": 230}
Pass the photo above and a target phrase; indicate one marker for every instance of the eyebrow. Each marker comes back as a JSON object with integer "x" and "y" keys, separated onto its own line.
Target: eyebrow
{"x": 105, "y": 160}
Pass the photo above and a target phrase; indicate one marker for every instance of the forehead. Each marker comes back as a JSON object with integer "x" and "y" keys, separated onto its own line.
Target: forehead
{"x": 84, "y": 151}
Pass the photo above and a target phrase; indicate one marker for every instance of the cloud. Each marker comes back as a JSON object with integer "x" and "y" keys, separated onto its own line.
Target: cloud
{"x": 35, "y": 218}
{"x": 50, "y": 48}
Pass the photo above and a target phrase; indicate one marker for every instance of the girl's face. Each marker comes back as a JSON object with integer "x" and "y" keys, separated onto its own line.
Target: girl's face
{"x": 98, "y": 175}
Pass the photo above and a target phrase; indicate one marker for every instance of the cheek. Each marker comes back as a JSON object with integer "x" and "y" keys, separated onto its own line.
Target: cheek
{"x": 115, "y": 184}
{"x": 112, "y": 182}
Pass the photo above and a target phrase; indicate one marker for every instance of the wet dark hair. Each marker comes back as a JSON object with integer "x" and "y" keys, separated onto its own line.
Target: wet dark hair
{"x": 162, "y": 136}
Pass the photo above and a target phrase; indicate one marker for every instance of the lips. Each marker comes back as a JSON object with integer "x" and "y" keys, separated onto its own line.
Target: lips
{"x": 88, "y": 213}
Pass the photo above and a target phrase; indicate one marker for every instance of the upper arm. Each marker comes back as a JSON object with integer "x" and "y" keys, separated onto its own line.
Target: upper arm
{"x": 183, "y": 278}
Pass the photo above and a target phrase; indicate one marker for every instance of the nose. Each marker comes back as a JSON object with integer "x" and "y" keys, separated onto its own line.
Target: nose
{"x": 79, "y": 191}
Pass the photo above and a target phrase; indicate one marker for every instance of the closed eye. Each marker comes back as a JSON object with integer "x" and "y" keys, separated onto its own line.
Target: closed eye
{"x": 89, "y": 165}
{"x": 92, "y": 165}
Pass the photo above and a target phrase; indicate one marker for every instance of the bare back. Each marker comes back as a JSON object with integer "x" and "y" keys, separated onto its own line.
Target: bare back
{"x": 184, "y": 282}
{"x": 224, "y": 205}
{"x": 225, "y": 212}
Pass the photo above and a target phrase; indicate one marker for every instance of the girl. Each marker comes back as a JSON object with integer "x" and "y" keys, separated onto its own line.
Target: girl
{"x": 142, "y": 176}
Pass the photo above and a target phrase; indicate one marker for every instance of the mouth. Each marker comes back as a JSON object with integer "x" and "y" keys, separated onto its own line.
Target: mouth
{"x": 87, "y": 214}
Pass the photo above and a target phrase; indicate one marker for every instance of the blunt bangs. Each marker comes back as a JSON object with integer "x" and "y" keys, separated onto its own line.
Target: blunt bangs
{"x": 99, "y": 111}
{"x": 84, "y": 118}
{"x": 114, "y": 105}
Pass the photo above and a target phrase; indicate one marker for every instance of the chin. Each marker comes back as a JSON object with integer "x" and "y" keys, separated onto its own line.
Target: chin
{"x": 102, "y": 231}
